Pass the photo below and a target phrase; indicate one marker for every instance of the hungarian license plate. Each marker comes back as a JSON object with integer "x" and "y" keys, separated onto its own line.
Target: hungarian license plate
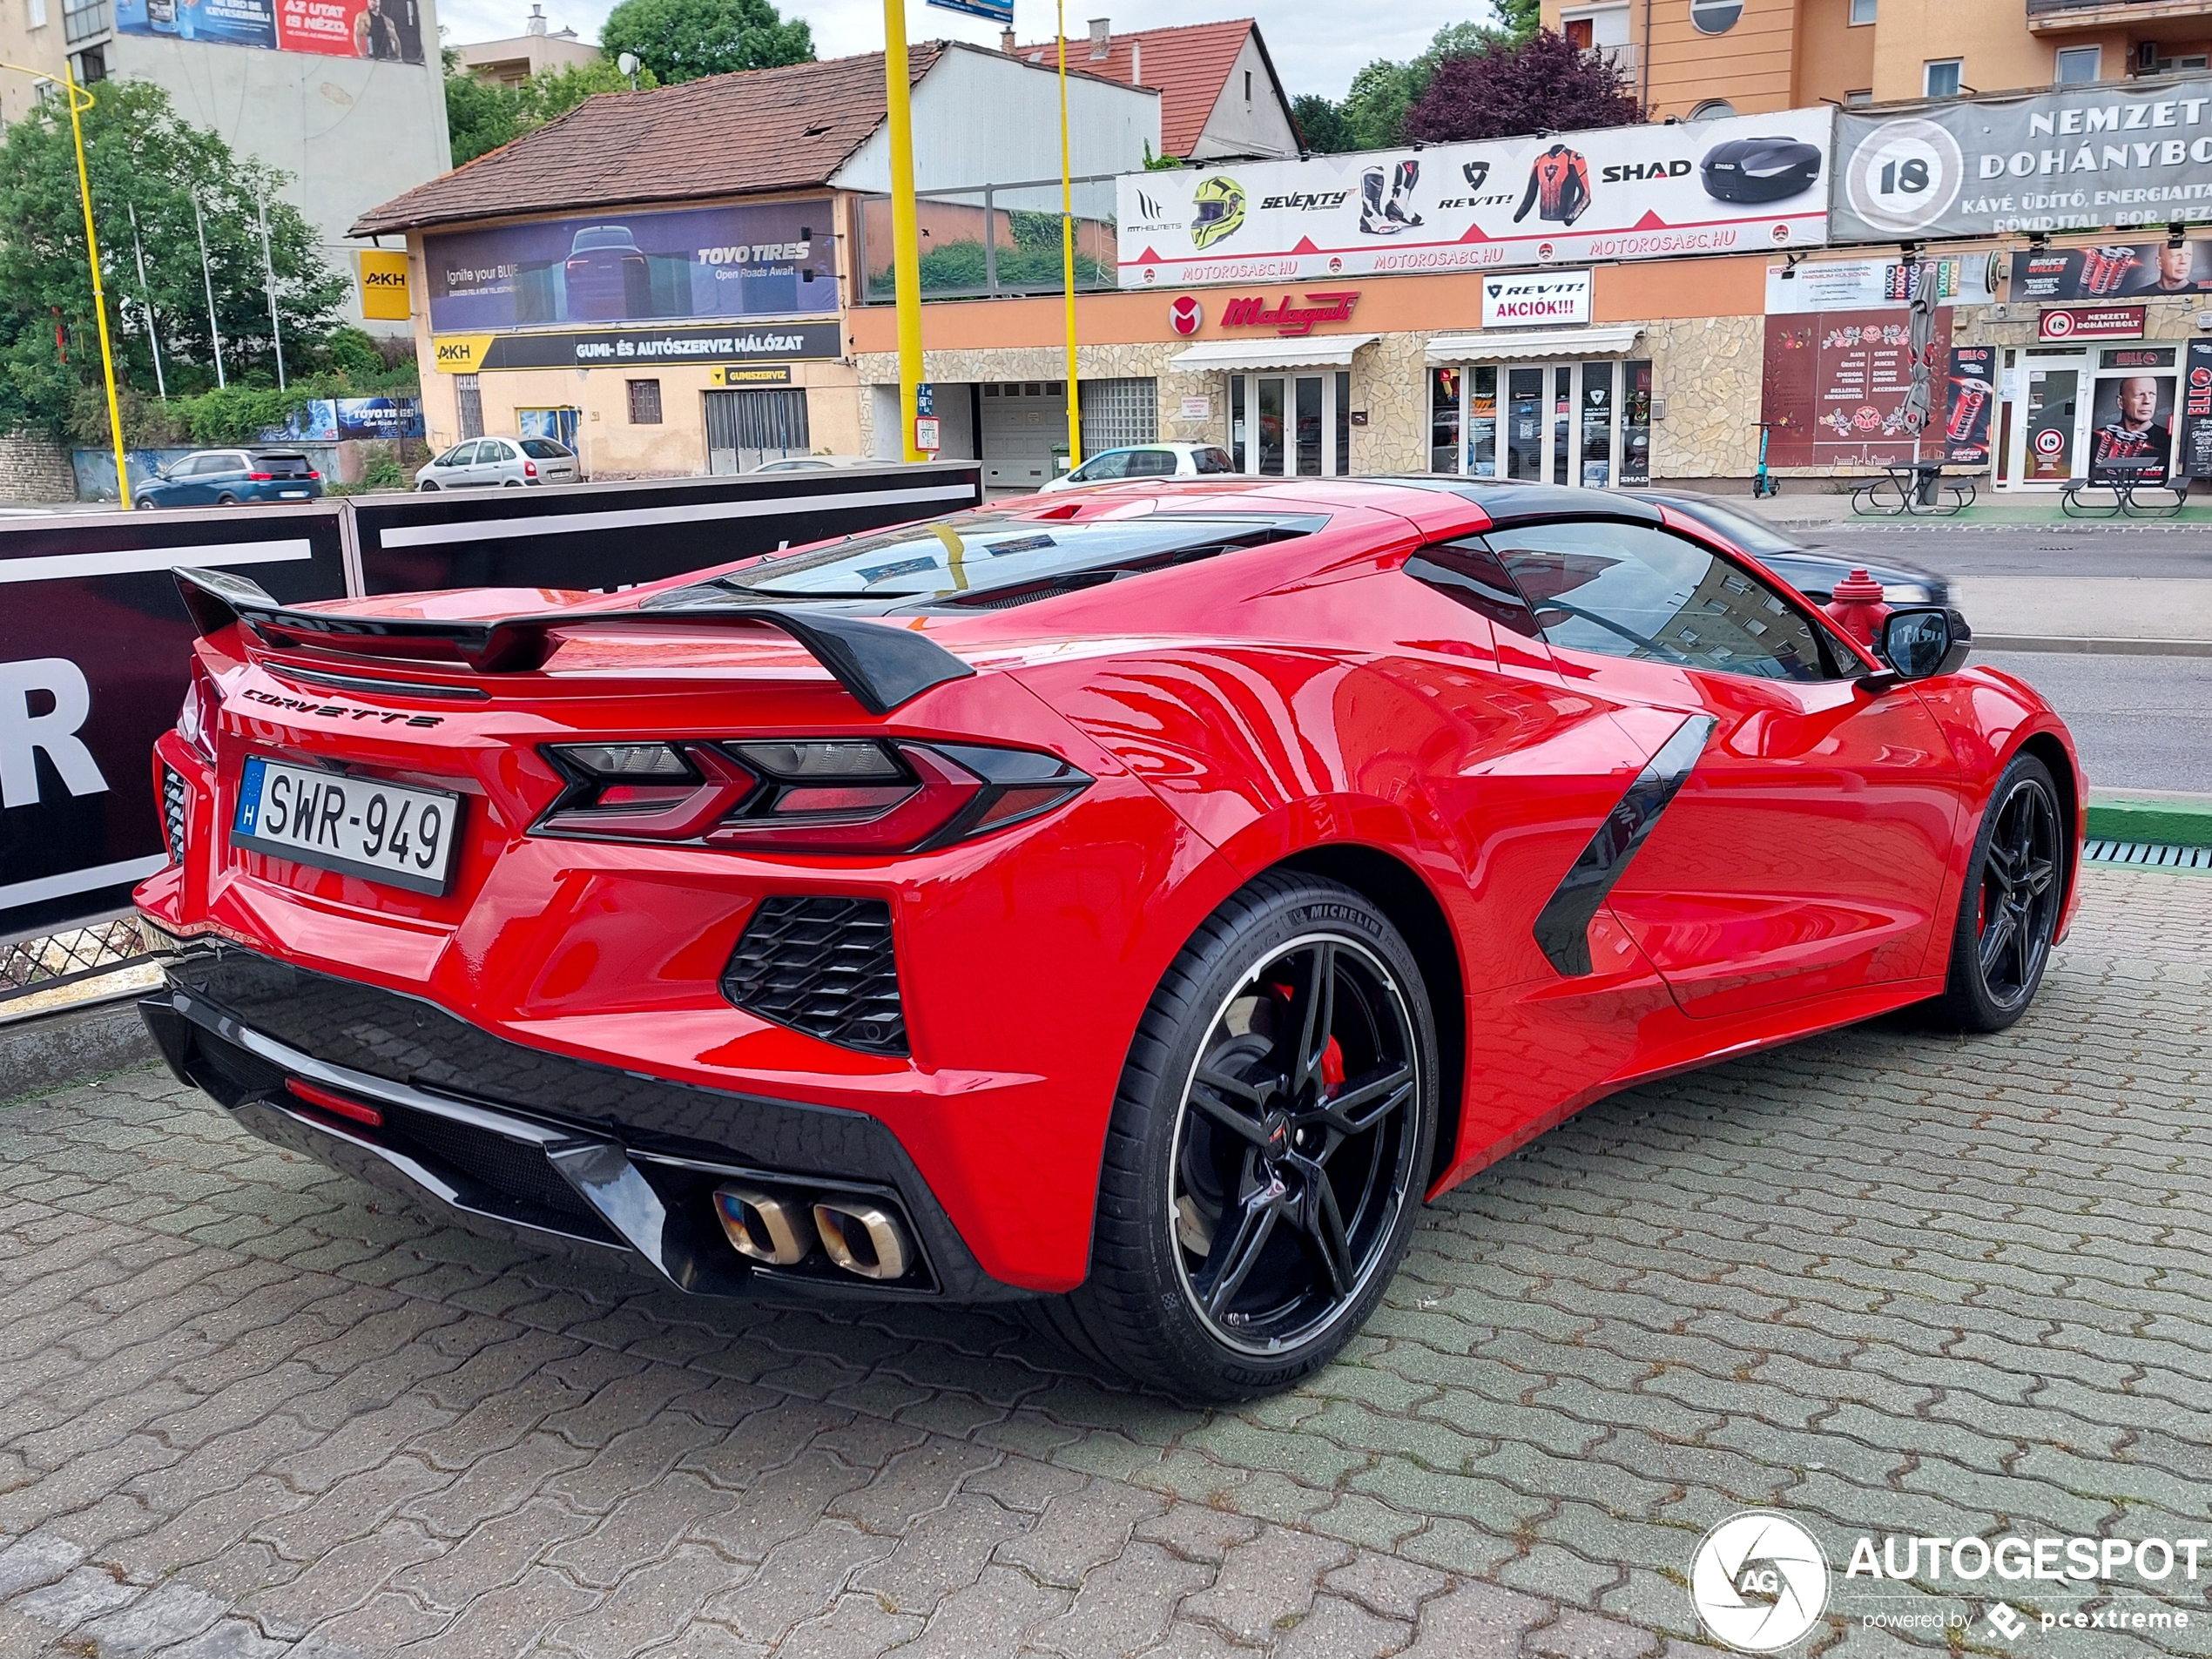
{"x": 389, "y": 833}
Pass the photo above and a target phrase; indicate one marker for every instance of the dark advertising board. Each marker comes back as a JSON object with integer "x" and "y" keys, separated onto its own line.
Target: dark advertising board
{"x": 386, "y": 31}
{"x": 2131, "y": 419}
{"x": 94, "y": 653}
{"x": 2110, "y": 271}
{"x": 1970, "y": 397}
{"x": 620, "y": 348}
{"x": 768, "y": 260}
{"x": 2196, "y": 412}
{"x": 1835, "y": 384}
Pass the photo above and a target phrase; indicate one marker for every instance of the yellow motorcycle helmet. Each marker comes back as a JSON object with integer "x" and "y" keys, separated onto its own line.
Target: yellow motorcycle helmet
{"x": 1219, "y": 209}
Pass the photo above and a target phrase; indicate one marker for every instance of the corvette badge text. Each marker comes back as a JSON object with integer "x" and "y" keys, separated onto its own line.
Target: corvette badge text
{"x": 1760, "y": 1583}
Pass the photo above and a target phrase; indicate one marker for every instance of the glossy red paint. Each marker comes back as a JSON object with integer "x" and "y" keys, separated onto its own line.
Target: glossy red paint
{"x": 1282, "y": 702}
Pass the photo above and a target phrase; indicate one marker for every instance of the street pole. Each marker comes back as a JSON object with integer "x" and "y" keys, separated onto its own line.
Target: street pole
{"x": 906, "y": 259}
{"x": 215, "y": 328}
{"x": 1067, "y": 247}
{"x": 99, "y": 296}
{"x": 268, "y": 273}
{"x": 145, "y": 299}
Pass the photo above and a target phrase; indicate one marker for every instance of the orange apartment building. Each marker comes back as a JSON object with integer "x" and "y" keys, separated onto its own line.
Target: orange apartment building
{"x": 1689, "y": 58}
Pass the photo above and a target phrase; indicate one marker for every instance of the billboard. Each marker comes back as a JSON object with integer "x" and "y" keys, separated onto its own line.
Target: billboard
{"x": 636, "y": 347}
{"x": 2131, "y": 422}
{"x": 1971, "y": 395}
{"x": 2115, "y": 270}
{"x": 1835, "y": 384}
{"x": 1866, "y": 285}
{"x": 2088, "y": 158}
{"x": 769, "y": 259}
{"x": 2195, "y": 459}
{"x": 326, "y": 419}
{"x": 1635, "y": 193}
{"x": 387, "y": 30}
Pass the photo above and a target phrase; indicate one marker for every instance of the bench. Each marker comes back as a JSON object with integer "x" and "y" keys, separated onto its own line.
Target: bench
{"x": 1911, "y": 486}
{"x": 2124, "y": 482}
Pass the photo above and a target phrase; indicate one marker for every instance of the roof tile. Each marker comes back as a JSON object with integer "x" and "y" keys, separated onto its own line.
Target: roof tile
{"x": 1187, "y": 64}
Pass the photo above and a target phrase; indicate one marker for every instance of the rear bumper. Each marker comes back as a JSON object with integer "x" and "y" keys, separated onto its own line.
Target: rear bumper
{"x": 519, "y": 1142}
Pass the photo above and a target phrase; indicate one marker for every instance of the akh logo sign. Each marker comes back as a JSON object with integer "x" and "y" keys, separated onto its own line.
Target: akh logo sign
{"x": 1292, "y": 320}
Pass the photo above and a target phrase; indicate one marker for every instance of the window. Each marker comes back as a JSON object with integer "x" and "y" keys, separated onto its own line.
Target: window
{"x": 1628, "y": 590}
{"x": 1469, "y": 573}
{"x": 468, "y": 405}
{"x": 1712, "y": 109}
{"x": 1211, "y": 460}
{"x": 1859, "y": 100}
{"x": 645, "y": 402}
{"x": 1940, "y": 77}
{"x": 2079, "y": 65}
{"x": 1151, "y": 463}
{"x": 1443, "y": 419}
{"x": 1119, "y": 413}
{"x": 1248, "y": 86}
{"x": 1114, "y": 464}
{"x": 1715, "y": 16}
{"x": 37, "y": 9}
{"x": 546, "y": 449}
{"x": 91, "y": 65}
{"x": 1862, "y": 13}
{"x": 1581, "y": 32}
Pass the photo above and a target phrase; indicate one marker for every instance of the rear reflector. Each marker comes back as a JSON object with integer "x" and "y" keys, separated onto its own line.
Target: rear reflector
{"x": 338, "y": 1103}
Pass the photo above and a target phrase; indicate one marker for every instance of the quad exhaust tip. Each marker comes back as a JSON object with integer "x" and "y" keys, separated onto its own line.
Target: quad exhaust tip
{"x": 860, "y": 1237}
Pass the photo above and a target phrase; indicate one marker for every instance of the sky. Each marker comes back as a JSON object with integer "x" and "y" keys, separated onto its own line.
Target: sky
{"x": 1316, "y": 44}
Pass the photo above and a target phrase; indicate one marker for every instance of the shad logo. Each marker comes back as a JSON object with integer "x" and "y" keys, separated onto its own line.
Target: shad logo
{"x": 1758, "y": 1582}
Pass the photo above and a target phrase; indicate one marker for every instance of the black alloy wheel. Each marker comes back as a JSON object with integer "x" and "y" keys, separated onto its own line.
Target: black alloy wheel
{"x": 2009, "y": 911}
{"x": 1294, "y": 1144}
{"x": 1268, "y": 1152}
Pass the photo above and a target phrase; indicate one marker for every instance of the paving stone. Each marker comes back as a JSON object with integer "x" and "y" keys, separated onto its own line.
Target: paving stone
{"x": 654, "y": 1603}
{"x": 1124, "y": 1604}
{"x": 1270, "y": 1578}
{"x": 1078, "y": 1530}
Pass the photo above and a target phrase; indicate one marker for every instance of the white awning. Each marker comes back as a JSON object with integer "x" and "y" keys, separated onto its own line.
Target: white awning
{"x": 1322, "y": 351}
{"x": 1499, "y": 345}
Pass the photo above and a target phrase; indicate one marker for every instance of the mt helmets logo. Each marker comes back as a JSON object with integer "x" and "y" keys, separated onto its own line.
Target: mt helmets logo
{"x": 1216, "y": 211}
{"x": 1758, "y": 1582}
{"x": 1185, "y": 315}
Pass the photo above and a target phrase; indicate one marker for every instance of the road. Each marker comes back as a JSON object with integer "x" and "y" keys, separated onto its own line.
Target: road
{"x": 2140, "y": 722}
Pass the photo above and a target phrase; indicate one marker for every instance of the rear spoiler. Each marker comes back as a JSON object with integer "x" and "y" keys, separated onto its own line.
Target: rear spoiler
{"x": 881, "y": 666}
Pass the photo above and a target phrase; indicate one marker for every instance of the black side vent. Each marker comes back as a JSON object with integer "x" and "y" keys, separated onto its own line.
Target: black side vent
{"x": 173, "y": 814}
{"x": 824, "y": 967}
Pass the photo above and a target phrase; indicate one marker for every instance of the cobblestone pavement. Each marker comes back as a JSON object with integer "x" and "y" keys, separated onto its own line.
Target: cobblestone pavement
{"x": 1885, "y": 1281}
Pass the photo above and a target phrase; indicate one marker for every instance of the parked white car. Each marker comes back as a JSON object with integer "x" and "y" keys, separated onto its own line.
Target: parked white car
{"x": 817, "y": 463}
{"x": 511, "y": 463}
{"x": 1148, "y": 460}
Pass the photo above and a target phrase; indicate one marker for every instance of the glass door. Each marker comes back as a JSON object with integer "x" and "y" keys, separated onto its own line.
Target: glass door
{"x": 1600, "y": 411}
{"x": 1292, "y": 425}
{"x": 1587, "y": 425}
{"x": 2050, "y": 440}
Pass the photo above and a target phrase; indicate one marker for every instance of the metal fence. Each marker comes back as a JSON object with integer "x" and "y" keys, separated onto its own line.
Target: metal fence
{"x": 30, "y": 966}
{"x": 988, "y": 240}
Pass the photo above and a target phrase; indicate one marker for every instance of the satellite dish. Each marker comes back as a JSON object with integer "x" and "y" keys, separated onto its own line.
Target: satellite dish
{"x": 628, "y": 63}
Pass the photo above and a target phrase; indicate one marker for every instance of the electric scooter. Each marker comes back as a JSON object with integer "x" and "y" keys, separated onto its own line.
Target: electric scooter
{"x": 1764, "y": 484}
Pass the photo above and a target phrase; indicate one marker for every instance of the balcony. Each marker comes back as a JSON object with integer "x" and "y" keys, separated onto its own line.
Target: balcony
{"x": 2070, "y": 16}
{"x": 84, "y": 22}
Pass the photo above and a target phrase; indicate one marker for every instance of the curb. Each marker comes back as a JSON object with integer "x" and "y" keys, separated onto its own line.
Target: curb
{"x": 2094, "y": 647}
{"x": 2172, "y": 821}
{"x": 49, "y": 1051}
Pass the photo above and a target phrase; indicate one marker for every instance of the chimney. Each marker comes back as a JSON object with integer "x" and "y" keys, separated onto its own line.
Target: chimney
{"x": 1102, "y": 42}
{"x": 1005, "y": 40}
{"x": 536, "y": 24}
{"x": 1135, "y": 61}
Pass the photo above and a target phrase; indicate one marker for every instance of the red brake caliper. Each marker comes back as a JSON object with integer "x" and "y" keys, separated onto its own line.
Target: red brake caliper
{"x": 1333, "y": 1066}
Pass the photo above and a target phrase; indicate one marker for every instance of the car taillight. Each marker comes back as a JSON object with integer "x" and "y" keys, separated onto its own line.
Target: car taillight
{"x": 314, "y": 475}
{"x": 810, "y": 795}
{"x": 196, "y": 719}
{"x": 260, "y": 477}
{"x": 530, "y": 469}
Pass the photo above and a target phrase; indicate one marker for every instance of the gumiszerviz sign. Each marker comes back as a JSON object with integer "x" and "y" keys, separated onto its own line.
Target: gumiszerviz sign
{"x": 625, "y": 348}
{"x": 2093, "y": 157}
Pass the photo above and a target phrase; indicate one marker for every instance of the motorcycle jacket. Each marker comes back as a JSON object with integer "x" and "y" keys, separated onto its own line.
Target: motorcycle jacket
{"x": 1559, "y": 186}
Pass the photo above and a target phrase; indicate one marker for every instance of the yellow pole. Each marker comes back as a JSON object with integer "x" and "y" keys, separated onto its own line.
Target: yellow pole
{"x": 1067, "y": 249}
{"x": 99, "y": 298}
{"x": 906, "y": 259}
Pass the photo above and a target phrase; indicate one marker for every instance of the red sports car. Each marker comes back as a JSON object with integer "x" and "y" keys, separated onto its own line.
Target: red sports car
{"x": 1131, "y": 906}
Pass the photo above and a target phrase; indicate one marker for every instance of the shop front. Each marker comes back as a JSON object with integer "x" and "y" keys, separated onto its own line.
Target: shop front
{"x": 1289, "y": 403}
{"x": 1570, "y": 407}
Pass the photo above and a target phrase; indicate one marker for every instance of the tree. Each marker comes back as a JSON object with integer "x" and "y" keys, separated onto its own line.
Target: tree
{"x": 141, "y": 158}
{"x": 681, "y": 40}
{"x": 481, "y": 117}
{"x": 1544, "y": 84}
{"x": 1522, "y": 18}
{"x": 1372, "y": 114}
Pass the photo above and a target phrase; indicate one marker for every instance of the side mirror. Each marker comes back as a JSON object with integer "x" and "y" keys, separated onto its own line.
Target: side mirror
{"x": 1923, "y": 641}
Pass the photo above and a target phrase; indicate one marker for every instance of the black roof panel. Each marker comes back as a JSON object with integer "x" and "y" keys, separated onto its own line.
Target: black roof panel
{"x": 1510, "y": 502}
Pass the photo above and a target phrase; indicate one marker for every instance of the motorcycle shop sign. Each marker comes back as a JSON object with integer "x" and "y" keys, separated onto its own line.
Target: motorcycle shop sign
{"x": 1556, "y": 298}
{"x": 2091, "y": 322}
{"x": 1631, "y": 192}
{"x": 2089, "y": 158}
{"x": 1285, "y": 316}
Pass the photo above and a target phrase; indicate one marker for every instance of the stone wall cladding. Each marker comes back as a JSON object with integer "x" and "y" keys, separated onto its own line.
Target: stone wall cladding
{"x": 35, "y": 470}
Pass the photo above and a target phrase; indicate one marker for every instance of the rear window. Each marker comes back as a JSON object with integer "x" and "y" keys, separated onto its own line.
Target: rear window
{"x": 957, "y": 558}
{"x": 543, "y": 449}
{"x": 283, "y": 466}
{"x": 1206, "y": 460}
{"x": 1151, "y": 463}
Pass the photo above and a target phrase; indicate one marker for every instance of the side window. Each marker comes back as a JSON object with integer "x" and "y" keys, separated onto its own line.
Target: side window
{"x": 1213, "y": 461}
{"x": 461, "y": 455}
{"x": 1629, "y": 590}
{"x": 1115, "y": 464}
{"x": 1151, "y": 463}
{"x": 1467, "y": 571}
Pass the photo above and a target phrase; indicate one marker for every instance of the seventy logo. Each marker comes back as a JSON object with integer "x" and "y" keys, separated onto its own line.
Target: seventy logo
{"x": 1758, "y": 1582}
